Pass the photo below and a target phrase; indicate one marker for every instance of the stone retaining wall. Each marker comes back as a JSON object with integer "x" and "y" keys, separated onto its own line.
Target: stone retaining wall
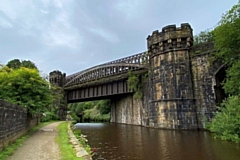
{"x": 14, "y": 122}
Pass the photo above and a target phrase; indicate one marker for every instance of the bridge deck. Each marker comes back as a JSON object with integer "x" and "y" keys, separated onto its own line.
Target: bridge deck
{"x": 111, "y": 71}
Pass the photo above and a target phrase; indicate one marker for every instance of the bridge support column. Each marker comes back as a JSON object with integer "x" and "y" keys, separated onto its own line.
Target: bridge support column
{"x": 127, "y": 110}
{"x": 172, "y": 104}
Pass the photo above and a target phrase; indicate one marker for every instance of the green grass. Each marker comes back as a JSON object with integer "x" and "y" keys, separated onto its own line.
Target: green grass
{"x": 9, "y": 150}
{"x": 65, "y": 146}
{"x": 82, "y": 140}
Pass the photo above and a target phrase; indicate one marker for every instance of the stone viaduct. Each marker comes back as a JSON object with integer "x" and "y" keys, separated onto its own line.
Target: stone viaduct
{"x": 180, "y": 84}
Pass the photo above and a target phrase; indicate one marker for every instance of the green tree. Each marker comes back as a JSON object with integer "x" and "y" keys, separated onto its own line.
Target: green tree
{"x": 92, "y": 110}
{"x": 28, "y": 64}
{"x": 58, "y": 97}
{"x": 16, "y": 64}
{"x": 25, "y": 87}
{"x": 226, "y": 123}
{"x": 227, "y": 42}
{"x": 203, "y": 37}
{"x": 89, "y": 105}
{"x": 104, "y": 106}
{"x": 227, "y": 36}
{"x": 80, "y": 108}
{"x": 232, "y": 82}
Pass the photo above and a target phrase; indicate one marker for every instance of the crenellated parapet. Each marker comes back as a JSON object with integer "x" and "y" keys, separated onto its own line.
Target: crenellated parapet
{"x": 171, "y": 37}
{"x": 57, "y": 78}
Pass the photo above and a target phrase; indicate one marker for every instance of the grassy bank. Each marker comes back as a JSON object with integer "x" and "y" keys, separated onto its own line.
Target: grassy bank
{"x": 82, "y": 139}
{"x": 65, "y": 146}
{"x": 9, "y": 150}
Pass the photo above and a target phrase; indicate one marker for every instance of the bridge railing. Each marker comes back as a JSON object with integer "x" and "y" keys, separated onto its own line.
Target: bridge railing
{"x": 132, "y": 62}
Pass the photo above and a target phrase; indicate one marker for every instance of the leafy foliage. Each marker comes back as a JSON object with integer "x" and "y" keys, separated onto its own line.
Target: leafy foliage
{"x": 16, "y": 64}
{"x": 82, "y": 139}
{"x": 92, "y": 111}
{"x": 25, "y": 87}
{"x": 226, "y": 123}
{"x": 95, "y": 115}
{"x": 227, "y": 35}
{"x": 132, "y": 81}
{"x": 49, "y": 116}
{"x": 58, "y": 97}
{"x": 104, "y": 106}
{"x": 227, "y": 42}
{"x": 232, "y": 83}
{"x": 203, "y": 37}
{"x": 134, "y": 85}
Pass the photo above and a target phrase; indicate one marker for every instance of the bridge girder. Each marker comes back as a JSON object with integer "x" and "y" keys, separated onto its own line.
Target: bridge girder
{"x": 114, "y": 70}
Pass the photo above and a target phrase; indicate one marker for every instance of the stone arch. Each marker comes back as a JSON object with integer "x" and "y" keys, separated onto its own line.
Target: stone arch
{"x": 208, "y": 91}
{"x": 219, "y": 77}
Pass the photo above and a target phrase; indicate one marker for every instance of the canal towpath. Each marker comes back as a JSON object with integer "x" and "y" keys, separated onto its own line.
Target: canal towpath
{"x": 40, "y": 145}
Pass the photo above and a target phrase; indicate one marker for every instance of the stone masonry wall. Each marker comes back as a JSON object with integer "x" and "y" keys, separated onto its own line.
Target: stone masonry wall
{"x": 126, "y": 110}
{"x": 172, "y": 104}
{"x": 13, "y": 123}
{"x": 205, "y": 85}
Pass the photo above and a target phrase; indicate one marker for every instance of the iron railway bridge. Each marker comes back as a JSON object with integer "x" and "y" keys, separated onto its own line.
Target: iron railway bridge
{"x": 105, "y": 80}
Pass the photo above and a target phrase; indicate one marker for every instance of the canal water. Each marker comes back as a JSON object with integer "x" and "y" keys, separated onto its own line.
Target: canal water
{"x": 112, "y": 141}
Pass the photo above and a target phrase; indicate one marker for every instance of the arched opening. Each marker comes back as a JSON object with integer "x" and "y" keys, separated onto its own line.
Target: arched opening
{"x": 220, "y": 76}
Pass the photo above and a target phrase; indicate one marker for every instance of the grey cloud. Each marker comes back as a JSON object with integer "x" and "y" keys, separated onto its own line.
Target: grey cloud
{"x": 74, "y": 35}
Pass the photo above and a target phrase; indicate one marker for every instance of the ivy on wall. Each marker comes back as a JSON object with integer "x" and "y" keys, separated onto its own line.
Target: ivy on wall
{"x": 135, "y": 85}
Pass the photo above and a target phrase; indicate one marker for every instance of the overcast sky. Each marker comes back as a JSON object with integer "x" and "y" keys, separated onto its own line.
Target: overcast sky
{"x": 72, "y": 35}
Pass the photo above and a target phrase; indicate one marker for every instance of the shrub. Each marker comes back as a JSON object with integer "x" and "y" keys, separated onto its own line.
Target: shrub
{"x": 226, "y": 123}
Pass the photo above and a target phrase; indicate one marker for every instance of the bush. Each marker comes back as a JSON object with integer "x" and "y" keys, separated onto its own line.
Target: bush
{"x": 75, "y": 117}
{"x": 49, "y": 116}
{"x": 226, "y": 123}
{"x": 104, "y": 106}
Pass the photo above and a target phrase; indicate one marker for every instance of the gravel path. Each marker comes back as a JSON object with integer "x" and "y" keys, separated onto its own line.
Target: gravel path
{"x": 39, "y": 146}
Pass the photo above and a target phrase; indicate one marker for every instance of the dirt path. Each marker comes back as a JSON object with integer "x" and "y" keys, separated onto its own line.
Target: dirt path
{"x": 40, "y": 145}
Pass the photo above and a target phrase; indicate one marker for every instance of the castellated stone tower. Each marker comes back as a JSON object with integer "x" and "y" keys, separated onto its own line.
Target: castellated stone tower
{"x": 57, "y": 78}
{"x": 172, "y": 105}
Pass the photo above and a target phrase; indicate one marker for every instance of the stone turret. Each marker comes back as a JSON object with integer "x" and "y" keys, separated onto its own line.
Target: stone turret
{"x": 170, "y": 38}
{"x": 57, "y": 78}
{"x": 172, "y": 103}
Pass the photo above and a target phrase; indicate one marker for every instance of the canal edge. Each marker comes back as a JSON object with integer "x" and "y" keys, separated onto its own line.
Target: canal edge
{"x": 80, "y": 151}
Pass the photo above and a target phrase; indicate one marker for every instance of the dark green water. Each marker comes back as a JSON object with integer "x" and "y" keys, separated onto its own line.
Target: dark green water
{"x": 117, "y": 141}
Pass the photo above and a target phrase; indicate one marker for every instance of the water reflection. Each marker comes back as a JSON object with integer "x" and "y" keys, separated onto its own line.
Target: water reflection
{"x": 126, "y": 142}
